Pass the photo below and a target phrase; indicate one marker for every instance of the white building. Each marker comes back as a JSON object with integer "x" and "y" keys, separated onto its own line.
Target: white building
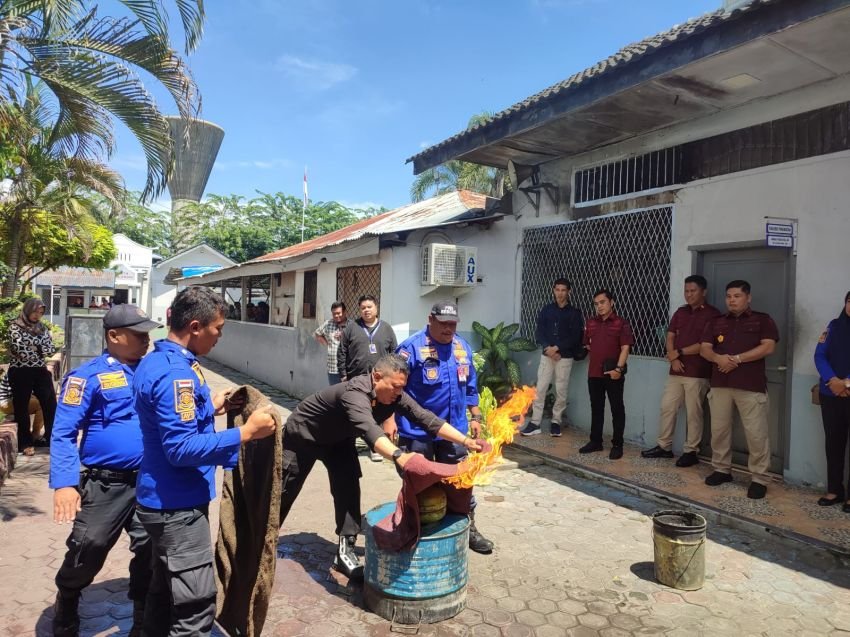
{"x": 705, "y": 149}
{"x": 132, "y": 265}
{"x": 408, "y": 258}
{"x": 165, "y": 274}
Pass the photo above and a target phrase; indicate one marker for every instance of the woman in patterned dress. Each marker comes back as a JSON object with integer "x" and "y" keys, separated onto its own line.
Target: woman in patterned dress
{"x": 29, "y": 344}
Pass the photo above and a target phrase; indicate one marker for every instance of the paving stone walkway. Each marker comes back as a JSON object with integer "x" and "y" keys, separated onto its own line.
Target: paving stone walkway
{"x": 573, "y": 557}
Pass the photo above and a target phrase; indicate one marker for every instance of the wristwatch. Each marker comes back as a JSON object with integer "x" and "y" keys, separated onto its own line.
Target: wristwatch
{"x": 396, "y": 455}
{"x": 618, "y": 369}
{"x": 680, "y": 353}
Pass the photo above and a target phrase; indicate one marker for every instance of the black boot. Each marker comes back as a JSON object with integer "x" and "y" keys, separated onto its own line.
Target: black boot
{"x": 66, "y": 618}
{"x": 138, "y": 618}
{"x": 346, "y": 560}
{"x": 478, "y": 542}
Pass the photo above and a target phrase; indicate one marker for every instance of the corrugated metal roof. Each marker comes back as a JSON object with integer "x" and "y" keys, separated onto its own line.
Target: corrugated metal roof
{"x": 77, "y": 278}
{"x": 629, "y": 54}
{"x": 451, "y": 207}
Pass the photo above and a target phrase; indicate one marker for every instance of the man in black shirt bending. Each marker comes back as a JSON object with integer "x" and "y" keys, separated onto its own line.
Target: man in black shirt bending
{"x": 324, "y": 427}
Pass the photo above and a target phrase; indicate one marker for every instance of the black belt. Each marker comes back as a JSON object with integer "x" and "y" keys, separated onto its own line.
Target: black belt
{"x": 110, "y": 475}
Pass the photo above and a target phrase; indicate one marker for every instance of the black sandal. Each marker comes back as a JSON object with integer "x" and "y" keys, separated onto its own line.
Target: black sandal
{"x": 828, "y": 502}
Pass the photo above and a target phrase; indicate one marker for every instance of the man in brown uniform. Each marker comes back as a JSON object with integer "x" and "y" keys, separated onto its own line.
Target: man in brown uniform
{"x": 608, "y": 337}
{"x": 736, "y": 343}
{"x": 689, "y": 374}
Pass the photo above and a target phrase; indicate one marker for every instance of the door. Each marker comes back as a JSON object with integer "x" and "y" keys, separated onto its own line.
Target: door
{"x": 768, "y": 271}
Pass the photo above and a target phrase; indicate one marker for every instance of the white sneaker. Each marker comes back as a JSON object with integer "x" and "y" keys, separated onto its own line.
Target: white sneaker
{"x": 376, "y": 457}
{"x": 346, "y": 561}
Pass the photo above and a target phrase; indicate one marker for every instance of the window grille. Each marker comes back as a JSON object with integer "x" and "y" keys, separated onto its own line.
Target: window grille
{"x": 628, "y": 254}
{"x": 658, "y": 169}
{"x": 355, "y": 281}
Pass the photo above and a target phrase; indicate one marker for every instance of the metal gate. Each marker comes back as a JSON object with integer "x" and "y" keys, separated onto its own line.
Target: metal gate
{"x": 629, "y": 254}
{"x": 355, "y": 281}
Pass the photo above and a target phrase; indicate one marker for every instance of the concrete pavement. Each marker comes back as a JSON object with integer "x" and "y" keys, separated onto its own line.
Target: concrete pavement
{"x": 573, "y": 557}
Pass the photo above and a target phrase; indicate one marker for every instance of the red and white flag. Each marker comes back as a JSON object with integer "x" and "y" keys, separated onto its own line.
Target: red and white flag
{"x": 305, "y": 187}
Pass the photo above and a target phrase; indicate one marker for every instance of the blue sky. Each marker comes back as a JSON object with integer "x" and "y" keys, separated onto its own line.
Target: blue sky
{"x": 352, "y": 89}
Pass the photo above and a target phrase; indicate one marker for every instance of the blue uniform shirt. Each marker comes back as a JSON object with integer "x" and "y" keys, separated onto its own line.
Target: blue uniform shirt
{"x": 177, "y": 417}
{"x": 832, "y": 354}
{"x": 442, "y": 380}
{"x": 96, "y": 399}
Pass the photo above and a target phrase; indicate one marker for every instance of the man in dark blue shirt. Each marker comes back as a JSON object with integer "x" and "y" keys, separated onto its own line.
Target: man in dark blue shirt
{"x": 560, "y": 327}
{"x": 181, "y": 451}
{"x": 100, "y": 500}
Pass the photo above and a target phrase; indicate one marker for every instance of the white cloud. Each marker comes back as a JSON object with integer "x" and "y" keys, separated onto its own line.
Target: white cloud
{"x": 314, "y": 74}
{"x": 345, "y": 114}
{"x": 425, "y": 144}
{"x": 259, "y": 164}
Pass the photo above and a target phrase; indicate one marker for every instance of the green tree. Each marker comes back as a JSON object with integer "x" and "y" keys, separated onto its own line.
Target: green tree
{"x": 460, "y": 175}
{"x": 93, "y": 65}
{"x": 46, "y": 185}
{"x": 245, "y": 229}
{"x": 144, "y": 225}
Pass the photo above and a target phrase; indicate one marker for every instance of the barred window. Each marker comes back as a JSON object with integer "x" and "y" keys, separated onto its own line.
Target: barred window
{"x": 355, "y": 281}
{"x": 628, "y": 254}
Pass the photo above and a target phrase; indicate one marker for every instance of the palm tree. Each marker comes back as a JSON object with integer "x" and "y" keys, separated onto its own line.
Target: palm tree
{"x": 46, "y": 182}
{"x": 91, "y": 64}
{"x": 460, "y": 175}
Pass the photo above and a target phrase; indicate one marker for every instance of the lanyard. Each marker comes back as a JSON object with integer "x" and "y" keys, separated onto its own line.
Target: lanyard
{"x": 371, "y": 335}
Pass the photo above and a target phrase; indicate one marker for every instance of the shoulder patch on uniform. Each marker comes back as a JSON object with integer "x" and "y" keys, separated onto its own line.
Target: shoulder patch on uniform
{"x": 196, "y": 367}
{"x": 74, "y": 391}
{"x": 184, "y": 399}
{"x": 404, "y": 354}
{"x": 823, "y": 336}
{"x": 112, "y": 380}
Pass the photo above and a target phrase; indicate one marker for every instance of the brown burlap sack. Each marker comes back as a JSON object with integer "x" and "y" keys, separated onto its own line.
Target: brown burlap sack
{"x": 249, "y": 521}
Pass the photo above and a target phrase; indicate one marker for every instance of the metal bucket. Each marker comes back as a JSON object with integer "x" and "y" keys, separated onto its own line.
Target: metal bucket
{"x": 678, "y": 538}
{"x": 425, "y": 585}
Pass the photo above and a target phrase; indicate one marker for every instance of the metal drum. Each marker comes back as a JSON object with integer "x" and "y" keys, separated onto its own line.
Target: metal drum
{"x": 425, "y": 585}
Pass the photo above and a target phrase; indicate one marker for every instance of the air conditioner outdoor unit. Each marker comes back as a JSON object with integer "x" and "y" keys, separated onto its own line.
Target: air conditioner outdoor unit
{"x": 449, "y": 265}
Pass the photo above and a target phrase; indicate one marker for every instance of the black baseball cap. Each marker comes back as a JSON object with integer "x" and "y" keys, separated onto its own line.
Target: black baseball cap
{"x": 445, "y": 311}
{"x": 129, "y": 316}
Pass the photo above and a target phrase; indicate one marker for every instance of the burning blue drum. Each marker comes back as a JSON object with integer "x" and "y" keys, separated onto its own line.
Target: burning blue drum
{"x": 425, "y": 585}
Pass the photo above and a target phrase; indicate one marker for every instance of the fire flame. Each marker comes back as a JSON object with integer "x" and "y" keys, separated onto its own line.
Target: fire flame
{"x": 477, "y": 469}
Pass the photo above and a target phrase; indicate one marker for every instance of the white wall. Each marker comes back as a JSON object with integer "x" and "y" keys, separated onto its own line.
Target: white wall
{"x": 163, "y": 294}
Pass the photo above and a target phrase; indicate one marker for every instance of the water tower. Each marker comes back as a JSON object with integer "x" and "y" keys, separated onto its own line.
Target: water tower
{"x": 194, "y": 156}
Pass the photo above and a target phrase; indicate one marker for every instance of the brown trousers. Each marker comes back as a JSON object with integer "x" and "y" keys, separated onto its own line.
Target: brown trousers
{"x": 752, "y": 407}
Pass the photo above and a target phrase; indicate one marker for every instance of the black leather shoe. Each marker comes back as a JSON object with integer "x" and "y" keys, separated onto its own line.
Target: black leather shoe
{"x": 717, "y": 478}
{"x": 656, "y": 452}
{"x": 756, "y": 491}
{"x": 828, "y": 502}
{"x": 478, "y": 542}
{"x": 616, "y": 453}
{"x": 846, "y": 507}
{"x": 688, "y": 459}
{"x": 591, "y": 447}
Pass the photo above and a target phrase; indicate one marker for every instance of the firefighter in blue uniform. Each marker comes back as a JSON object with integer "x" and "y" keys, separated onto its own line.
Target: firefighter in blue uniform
{"x": 181, "y": 451}
{"x": 95, "y": 484}
{"x": 442, "y": 380}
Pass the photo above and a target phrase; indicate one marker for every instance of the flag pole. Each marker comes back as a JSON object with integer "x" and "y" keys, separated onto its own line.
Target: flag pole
{"x": 304, "y": 206}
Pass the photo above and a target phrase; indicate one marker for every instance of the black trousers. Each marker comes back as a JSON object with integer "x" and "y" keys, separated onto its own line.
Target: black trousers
{"x": 599, "y": 388}
{"x": 26, "y": 381}
{"x": 835, "y": 412}
{"x": 344, "y": 473}
{"x": 107, "y": 509}
{"x": 181, "y": 597}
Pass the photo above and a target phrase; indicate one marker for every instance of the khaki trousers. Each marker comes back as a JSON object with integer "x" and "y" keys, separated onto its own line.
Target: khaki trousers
{"x": 545, "y": 371}
{"x": 752, "y": 407}
{"x": 692, "y": 392}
